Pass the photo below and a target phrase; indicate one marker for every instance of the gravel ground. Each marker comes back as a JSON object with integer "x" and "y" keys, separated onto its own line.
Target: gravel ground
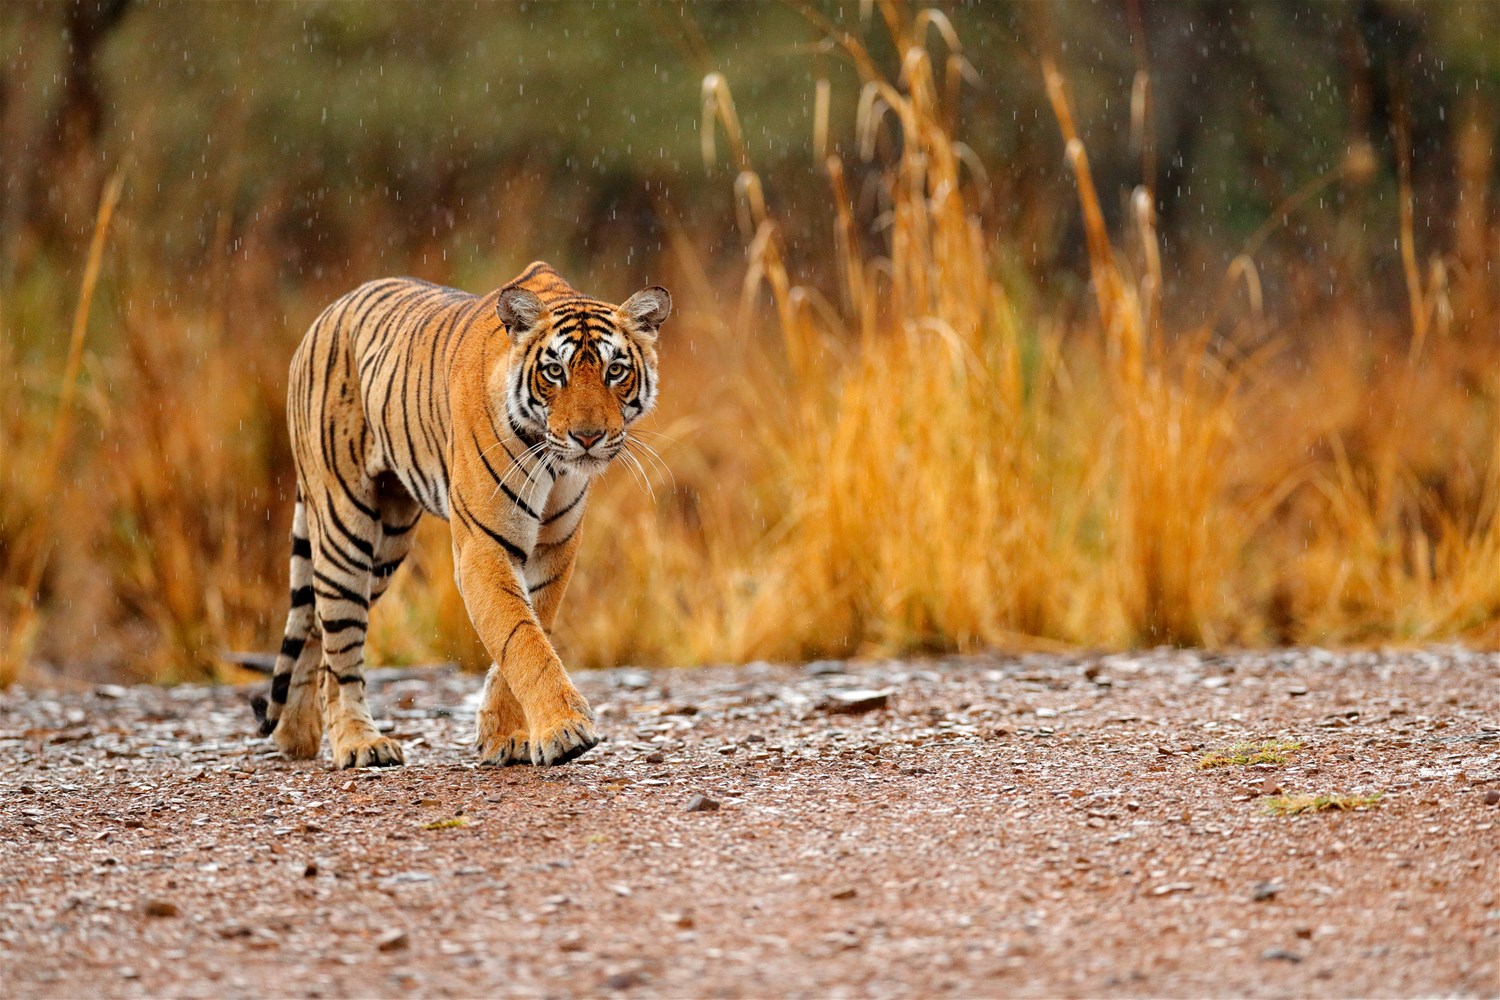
{"x": 977, "y": 826}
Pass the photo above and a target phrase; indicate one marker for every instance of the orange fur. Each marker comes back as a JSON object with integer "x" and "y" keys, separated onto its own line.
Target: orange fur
{"x": 492, "y": 411}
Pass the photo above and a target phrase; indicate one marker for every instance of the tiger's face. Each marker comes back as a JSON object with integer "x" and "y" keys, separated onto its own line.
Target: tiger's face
{"x": 582, "y": 371}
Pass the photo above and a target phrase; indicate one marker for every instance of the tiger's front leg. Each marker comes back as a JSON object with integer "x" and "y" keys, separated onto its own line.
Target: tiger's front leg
{"x": 504, "y": 738}
{"x": 528, "y": 678}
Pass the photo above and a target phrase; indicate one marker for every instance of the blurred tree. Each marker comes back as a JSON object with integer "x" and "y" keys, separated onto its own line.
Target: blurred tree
{"x": 347, "y": 139}
{"x": 67, "y": 176}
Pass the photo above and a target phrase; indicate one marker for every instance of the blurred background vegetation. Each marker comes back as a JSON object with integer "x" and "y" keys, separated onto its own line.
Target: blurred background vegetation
{"x": 1224, "y": 374}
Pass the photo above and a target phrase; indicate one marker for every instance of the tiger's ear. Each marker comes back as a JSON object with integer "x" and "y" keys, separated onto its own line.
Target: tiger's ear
{"x": 648, "y": 309}
{"x": 519, "y": 310}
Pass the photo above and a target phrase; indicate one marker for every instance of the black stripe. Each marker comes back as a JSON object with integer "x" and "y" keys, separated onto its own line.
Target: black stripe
{"x": 341, "y": 591}
{"x": 344, "y": 649}
{"x": 527, "y": 275}
{"x": 546, "y": 583}
{"x": 583, "y": 492}
{"x": 350, "y": 678}
{"x": 338, "y": 476}
{"x": 361, "y": 545}
{"x": 280, "y": 685}
{"x": 639, "y": 362}
{"x": 433, "y": 416}
{"x": 342, "y": 560}
{"x": 291, "y": 646}
{"x": 378, "y": 338}
{"x": 301, "y": 548}
{"x": 414, "y": 467}
{"x": 561, "y": 541}
{"x": 506, "y": 644}
{"x": 342, "y": 625}
{"x": 500, "y": 480}
{"x": 391, "y": 532}
{"x": 536, "y": 458}
{"x": 301, "y": 597}
{"x": 330, "y": 597}
{"x": 509, "y": 546}
{"x": 388, "y": 568}
{"x": 525, "y": 437}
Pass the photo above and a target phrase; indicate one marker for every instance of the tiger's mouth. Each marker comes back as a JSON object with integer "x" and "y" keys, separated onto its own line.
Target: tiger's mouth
{"x": 590, "y": 464}
{"x": 590, "y": 461}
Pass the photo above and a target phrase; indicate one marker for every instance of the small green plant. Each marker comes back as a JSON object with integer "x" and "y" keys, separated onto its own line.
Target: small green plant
{"x": 1291, "y": 805}
{"x": 451, "y": 823}
{"x": 1246, "y": 753}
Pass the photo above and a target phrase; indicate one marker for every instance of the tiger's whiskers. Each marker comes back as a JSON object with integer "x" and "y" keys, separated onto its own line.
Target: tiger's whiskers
{"x": 656, "y": 460}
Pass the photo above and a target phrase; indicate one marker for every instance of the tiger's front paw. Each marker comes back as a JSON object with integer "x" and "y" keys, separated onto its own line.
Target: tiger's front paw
{"x": 568, "y": 738}
{"x": 382, "y": 751}
{"x": 503, "y": 751}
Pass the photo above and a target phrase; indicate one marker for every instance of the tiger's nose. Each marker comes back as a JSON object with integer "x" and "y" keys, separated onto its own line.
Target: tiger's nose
{"x": 587, "y": 438}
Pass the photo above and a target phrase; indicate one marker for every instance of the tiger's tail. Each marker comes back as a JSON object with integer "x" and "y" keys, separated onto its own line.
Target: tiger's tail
{"x": 301, "y": 622}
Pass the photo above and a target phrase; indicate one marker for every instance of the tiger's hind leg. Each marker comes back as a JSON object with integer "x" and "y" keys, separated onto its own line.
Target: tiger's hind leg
{"x": 293, "y": 716}
{"x": 399, "y": 514}
{"x": 503, "y": 737}
{"x": 345, "y": 535}
{"x": 299, "y": 734}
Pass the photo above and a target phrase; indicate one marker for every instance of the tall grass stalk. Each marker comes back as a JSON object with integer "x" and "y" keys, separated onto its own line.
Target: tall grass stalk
{"x": 34, "y": 544}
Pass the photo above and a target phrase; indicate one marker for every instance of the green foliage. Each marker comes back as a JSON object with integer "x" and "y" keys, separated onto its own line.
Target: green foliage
{"x": 1292, "y": 805}
{"x": 1246, "y": 754}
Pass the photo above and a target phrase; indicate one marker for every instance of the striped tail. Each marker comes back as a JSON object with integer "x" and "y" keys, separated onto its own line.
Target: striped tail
{"x": 300, "y": 624}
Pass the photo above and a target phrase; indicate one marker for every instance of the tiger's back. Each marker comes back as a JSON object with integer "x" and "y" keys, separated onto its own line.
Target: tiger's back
{"x": 379, "y": 358}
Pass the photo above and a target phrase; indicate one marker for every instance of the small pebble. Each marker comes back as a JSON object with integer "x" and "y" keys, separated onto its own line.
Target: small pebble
{"x": 857, "y": 702}
{"x": 1492, "y": 797}
{"x": 622, "y": 981}
{"x": 701, "y": 803}
{"x": 1166, "y": 890}
{"x": 160, "y": 908}
{"x": 1280, "y": 955}
{"x": 1264, "y": 891}
{"x": 393, "y": 941}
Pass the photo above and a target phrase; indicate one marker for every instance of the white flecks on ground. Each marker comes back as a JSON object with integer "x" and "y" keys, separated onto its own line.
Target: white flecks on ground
{"x": 1030, "y": 826}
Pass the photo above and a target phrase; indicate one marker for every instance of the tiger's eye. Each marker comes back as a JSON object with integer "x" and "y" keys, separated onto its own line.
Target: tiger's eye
{"x": 553, "y": 371}
{"x": 617, "y": 371}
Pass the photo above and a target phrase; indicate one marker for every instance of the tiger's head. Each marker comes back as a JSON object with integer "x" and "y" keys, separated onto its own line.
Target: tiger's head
{"x": 582, "y": 371}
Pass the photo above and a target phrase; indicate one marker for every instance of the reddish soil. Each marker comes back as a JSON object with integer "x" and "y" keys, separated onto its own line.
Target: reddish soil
{"x": 1035, "y": 826}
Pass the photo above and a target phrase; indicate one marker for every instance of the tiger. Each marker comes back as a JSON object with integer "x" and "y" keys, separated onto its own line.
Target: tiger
{"x": 492, "y": 412}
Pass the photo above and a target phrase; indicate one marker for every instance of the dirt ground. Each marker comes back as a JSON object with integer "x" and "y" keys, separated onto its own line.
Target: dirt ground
{"x": 977, "y": 826}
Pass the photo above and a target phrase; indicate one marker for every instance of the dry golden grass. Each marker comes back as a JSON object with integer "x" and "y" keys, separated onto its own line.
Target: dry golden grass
{"x": 904, "y": 458}
{"x": 1293, "y": 805}
{"x": 1247, "y": 754}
